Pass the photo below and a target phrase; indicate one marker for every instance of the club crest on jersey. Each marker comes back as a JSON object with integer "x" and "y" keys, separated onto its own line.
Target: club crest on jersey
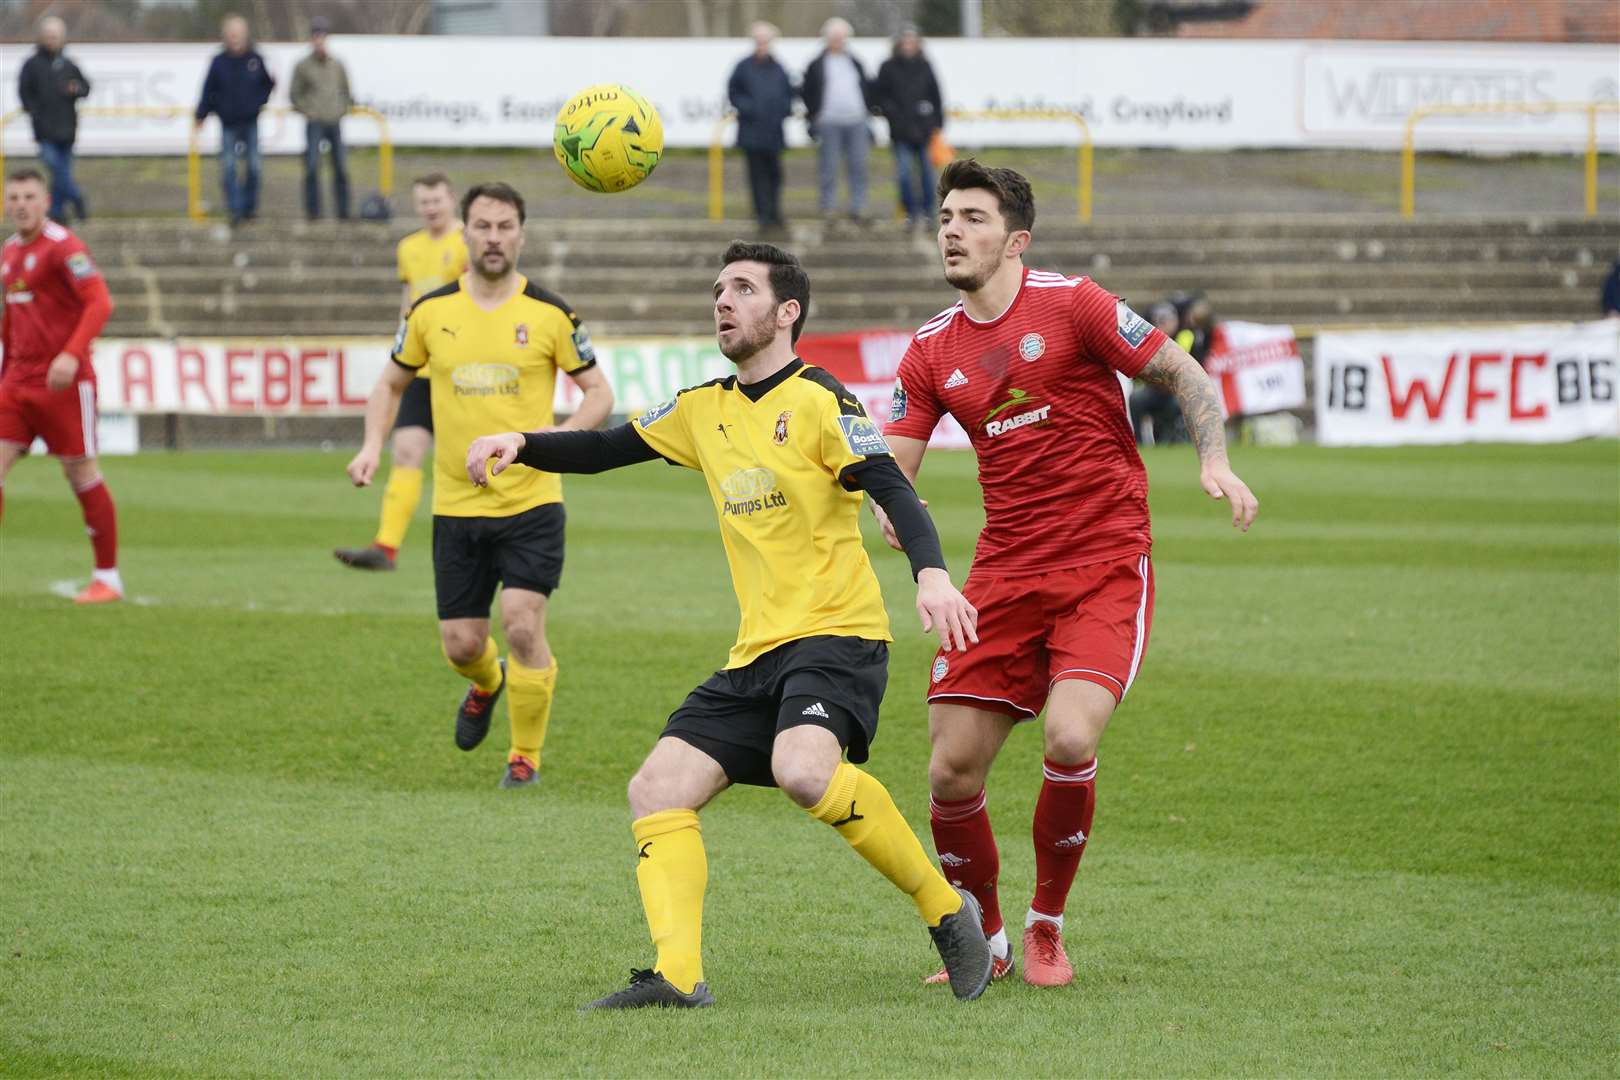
{"x": 1032, "y": 347}
{"x": 779, "y": 436}
{"x": 1132, "y": 327}
{"x": 941, "y": 666}
{"x": 521, "y": 333}
{"x": 656, "y": 413}
{"x": 897, "y": 404}
{"x": 862, "y": 435}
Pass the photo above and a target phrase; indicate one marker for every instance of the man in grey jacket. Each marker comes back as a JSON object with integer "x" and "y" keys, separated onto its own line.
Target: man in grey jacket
{"x": 320, "y": 91}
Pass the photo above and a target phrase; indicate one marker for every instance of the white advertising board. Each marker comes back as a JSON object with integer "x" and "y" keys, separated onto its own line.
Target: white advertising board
{"x": 467, "y": 91}
{"x": 1534, "y": 383}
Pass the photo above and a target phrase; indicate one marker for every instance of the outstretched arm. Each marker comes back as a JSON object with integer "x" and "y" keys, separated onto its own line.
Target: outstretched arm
{"x": 908, "y": 454}
{"x": 1179, "y": 373}
{"x": 940, "y": 606}
{"x": 556, "y": 451}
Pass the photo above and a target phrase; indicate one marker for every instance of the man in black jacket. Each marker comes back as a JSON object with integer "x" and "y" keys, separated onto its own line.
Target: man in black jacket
{"x": 49, "y": 88}
{"x": 762, "y": 94}
{"x": 837, "y": 98}
{"x": 908, "y": 96}
{"x": 236, "y": 87}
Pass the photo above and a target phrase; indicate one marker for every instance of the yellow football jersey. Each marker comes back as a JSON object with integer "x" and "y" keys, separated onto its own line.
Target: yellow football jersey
{"x": 492, "y": 371}
{"x": 426, "y": 264}
{"x": 791, "y": 529}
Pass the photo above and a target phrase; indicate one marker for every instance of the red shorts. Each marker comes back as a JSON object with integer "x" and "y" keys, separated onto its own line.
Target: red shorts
{"x": 1088, "y": 622}
{"x": 65, "y": 419}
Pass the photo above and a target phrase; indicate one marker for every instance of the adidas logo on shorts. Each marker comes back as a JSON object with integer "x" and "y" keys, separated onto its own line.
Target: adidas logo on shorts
{"x": 815, "y": 710}
{"x": 956, "y": 379}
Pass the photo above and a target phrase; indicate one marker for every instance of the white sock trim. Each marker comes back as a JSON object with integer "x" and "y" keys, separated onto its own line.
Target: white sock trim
{"x": 1029, "y": 919}
{"x": 1000, "y": 945}
{"x": 109, "y": 578}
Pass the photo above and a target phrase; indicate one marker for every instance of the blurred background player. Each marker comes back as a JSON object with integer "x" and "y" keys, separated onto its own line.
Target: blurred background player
{"x": 1026, "y": 361}
{"x": 492, "y": 343}
{"x": 55, "y": 304}
{"x": 429, "y": 258}
{"x": 786, "y": 451}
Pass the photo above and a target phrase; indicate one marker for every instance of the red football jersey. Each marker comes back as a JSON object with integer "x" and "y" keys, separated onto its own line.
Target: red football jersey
{"x": 1037, "y": 392}
{"x": 51, "y": 285}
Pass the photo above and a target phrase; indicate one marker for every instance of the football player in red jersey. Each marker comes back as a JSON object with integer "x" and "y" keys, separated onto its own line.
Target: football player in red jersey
{"x": 1036, "y": 366}
{"x": 55, "y": 304}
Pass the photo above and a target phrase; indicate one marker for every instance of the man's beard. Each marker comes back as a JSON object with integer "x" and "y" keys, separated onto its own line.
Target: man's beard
{"x": 494, "y": 275}
{"x": 753, "y": 339}
{"x": 968, "y": 278}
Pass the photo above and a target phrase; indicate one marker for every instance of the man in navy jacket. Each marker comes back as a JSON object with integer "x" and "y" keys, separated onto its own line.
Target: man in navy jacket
{"x": 49, "y": 87}
{"x": 762, "y": 94}
{"x": 236, "y": 87}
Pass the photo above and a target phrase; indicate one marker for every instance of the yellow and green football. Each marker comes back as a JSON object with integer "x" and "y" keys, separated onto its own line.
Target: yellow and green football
{"x": 608, "y": 138}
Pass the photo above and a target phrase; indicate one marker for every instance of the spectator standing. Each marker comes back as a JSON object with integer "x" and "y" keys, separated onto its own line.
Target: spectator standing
{"x": 1611, "y": 292}
{"x": 838, "y": 97}
{"x": 49, "y": 87}
{"x": 236, "y": 87}
{"x": 762, "y": 94}
{"x": 908, "y": 96}
{"x": 320, "y": 92}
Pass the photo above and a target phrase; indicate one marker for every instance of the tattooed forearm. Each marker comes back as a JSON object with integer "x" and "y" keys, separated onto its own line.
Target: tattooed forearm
{"x": 1179, "y": 373}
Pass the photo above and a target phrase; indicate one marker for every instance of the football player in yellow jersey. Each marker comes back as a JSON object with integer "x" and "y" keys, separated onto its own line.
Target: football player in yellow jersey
{"x": 492, "y": 343}
{"x": 786, "y": 452}
{"x": 429, "y": 258}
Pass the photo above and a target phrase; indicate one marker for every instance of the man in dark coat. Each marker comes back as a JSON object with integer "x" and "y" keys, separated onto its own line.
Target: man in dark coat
{"x": 236, "y": 87}
{"x": 762, "y": 94}
{"x": 837, "y": 98}
{"x": 49, "y": 87}
{"x": 908, "y": 96}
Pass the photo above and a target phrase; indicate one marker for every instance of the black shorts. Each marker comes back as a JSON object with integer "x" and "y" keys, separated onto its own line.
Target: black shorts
{"x": 833, "y": 682}
{"x": 416, "y": 406}
{"x": 472, "y": 555}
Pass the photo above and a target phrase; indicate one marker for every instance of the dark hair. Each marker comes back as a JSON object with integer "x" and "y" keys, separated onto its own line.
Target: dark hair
{"x": 1011, "y": 190}
{"x": 788, "y": 279}
{"x": 431, "y": 180}
{"x": 27, "y": 172}
{"x": 497, "y": 190}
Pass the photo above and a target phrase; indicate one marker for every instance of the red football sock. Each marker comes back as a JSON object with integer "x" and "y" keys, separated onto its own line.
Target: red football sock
{"x": 1062, "y": 823}
{"x": 967, "y": 851}
{"x": 102, "y": 521}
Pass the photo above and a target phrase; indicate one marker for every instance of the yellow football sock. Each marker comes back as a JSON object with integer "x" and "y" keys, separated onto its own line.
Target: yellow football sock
{"x": 485, "y": 672}
{"x": 859, "y": 807}
{"x": 528, "y": 705}
{"x": 673, "y": 874}
{"x": 400, "y": 496}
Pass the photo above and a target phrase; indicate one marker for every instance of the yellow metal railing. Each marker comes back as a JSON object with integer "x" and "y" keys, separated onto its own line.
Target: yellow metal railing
{"x": 1409, "y": 152}
{"x": 1083, "y": 164}
{"x": 194, "y": 201}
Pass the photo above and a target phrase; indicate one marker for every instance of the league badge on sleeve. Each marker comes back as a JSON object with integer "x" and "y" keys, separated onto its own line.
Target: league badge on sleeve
{"x": 583, "y": 346}
{"x": 863, "y": 436}
{"x": 656, "y": 413}
{"x": 1132, "y": 327}
{"x": 897, "y": 405}
{"x": 80, "y": 265}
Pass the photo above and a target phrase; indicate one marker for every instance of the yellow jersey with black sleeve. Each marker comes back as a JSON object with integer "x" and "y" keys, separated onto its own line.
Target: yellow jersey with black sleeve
{"x": 492, "y": 371}
{"x": 775, "y": 456}
{"x": 426, "y": 263}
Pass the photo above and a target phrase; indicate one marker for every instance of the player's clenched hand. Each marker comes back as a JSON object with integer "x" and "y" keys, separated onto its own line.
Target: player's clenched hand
{"x": 887, "y": 527}
{"x": 363, "y": 467}
{"x": 945, "y": 610}
{"x": 492, "y": 452}
{"x": 63, "y": 370}
{"x": 1220, "y": 482}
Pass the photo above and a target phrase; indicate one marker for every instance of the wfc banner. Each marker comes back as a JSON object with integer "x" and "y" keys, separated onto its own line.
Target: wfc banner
{"x": 1537, "y": 383}
{"x": 1256, "y": 368}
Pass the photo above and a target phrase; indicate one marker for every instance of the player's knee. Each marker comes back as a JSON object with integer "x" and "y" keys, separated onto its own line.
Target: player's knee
{"x": 649, "y": 792}
{"x": 954, "y": 775}
{"x": 522, "y": 640}
{"x": 462, "y": 648}
{"x": 802, "y": 779}
{"x": 1071, "y": 745}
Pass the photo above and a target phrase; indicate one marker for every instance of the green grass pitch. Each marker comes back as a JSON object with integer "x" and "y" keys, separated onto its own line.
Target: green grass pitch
{"x": 1358, "y": 816}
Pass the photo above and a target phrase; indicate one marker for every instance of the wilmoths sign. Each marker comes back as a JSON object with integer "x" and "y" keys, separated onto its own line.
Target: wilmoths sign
{"x": 1188, "y": 94}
